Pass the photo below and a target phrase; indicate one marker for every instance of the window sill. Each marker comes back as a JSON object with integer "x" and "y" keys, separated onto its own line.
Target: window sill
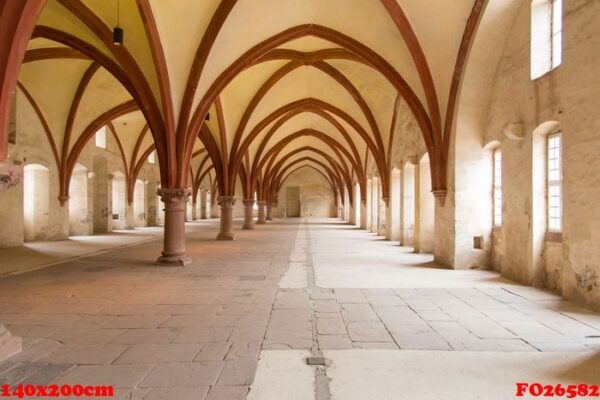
{"x": 545, "y": 75}
{"x": 554, "y": 237}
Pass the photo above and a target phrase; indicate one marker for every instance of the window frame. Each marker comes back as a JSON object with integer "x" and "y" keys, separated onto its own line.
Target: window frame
{"x": 497, "y": 188}
{"x": 554, "y": 183}
{"x": 545, "y": 41}
{"x": 100, "y": 138}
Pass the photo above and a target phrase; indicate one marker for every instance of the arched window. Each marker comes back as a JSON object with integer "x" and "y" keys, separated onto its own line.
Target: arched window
{"x": 100, "y": 138}
{"x": 554, "y": 182}
{"x": 152, "y": 158}
{"x": 497, "y": 188}
{"x": 546, "y": 36}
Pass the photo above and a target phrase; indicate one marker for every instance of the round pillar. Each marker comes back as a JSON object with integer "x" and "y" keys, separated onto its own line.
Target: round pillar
{"x": 194, "y": 211}
{"x": 363, "y": 214}
{"x": 269, "y": 211}
{"x": 248, "y": 214}
{"x": 262, "y": 214}
{"x": 203, "y": 213}
{"x": 175, "y": 201}
{"x": 214, "y": 209}
{"x": 226, "y": 230}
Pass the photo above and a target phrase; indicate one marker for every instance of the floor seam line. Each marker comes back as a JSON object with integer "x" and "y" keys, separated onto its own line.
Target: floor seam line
{"x": 322, "y": 389}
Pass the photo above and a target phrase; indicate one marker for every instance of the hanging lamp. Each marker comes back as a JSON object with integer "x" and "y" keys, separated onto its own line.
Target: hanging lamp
{"x": 118, "y": 33}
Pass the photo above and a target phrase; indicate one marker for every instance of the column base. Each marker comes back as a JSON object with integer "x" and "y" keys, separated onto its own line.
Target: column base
{"x": 224, "y": 236}
{"x": 248, "y": 227}
{"x": 180, "y": 260}
{"x": 9, "y": 345}
{"x": 261, "y": 222}
{"x": 269, "y": 219}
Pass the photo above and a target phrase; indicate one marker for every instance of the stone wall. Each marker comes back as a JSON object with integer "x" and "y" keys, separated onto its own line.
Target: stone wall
{"x": 520, "y": 113}
{"x": 96, "y": 167}
{"x": 316, "y": 197}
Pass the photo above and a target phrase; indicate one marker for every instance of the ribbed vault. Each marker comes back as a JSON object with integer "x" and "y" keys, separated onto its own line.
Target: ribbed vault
{"x": 249, "y": 92}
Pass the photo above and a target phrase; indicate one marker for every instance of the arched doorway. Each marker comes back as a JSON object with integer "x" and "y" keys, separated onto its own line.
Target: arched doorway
{"x": 36, "y": 201}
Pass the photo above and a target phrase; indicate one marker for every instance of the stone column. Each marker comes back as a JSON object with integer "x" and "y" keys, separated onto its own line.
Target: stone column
{"x": 269, "y": 211}
{"x": 214, "y": 209}
{"x": 102, "y": 213}
{"x": 130, "y": 217}
{"x": 363, "y": 214}
{"x": 248, "y": 214}
{"x": 226, "y": 231}
{"x": 262, "y": 212}
{"x": 194, "y": 211}
{"x": 352, "y": 217}
{"x": 152, "y": 215}
{"x": 203, "y": 196}
{"x": 174, "y": 232}
{"x": 388, "y": 220}
{"x": 274, "y": 205}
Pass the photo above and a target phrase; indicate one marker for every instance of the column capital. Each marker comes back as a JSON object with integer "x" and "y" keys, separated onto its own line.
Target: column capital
{"x": 261, "y": 203}
{"x": 440, "y": 194}
{"x": 10, "y": 175}
{"x": 226, "y": 201}
{"x": 174, "y": 195}
{"x": 248, "y": 202}
{"x": 274, "y": 204}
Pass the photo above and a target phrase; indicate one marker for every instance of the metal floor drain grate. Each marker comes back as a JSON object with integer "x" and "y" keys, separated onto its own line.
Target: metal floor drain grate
{"x": 592, "y": 337}
{"x": 316, "y": 361}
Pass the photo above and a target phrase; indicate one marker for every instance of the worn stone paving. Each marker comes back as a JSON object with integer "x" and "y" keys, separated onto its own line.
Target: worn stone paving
{"x": 499, "y": 316}
{"x": 152, "y": 332}
{"x": 197, "y": 332}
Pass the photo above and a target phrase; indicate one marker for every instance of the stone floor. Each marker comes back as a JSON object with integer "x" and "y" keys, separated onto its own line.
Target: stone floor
{"x": 243, "y": 318}
{"x": 32, "y": 256}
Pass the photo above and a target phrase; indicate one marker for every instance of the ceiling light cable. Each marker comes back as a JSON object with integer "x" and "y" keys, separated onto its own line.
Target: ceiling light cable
{"x": 117, "y": 31}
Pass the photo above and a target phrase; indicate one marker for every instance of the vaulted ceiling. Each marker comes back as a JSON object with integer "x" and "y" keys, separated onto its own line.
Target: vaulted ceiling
{"x": 287, "y": 83}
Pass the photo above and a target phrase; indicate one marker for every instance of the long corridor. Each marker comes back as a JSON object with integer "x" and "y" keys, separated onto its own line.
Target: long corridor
{"x": 247, "y": 318}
